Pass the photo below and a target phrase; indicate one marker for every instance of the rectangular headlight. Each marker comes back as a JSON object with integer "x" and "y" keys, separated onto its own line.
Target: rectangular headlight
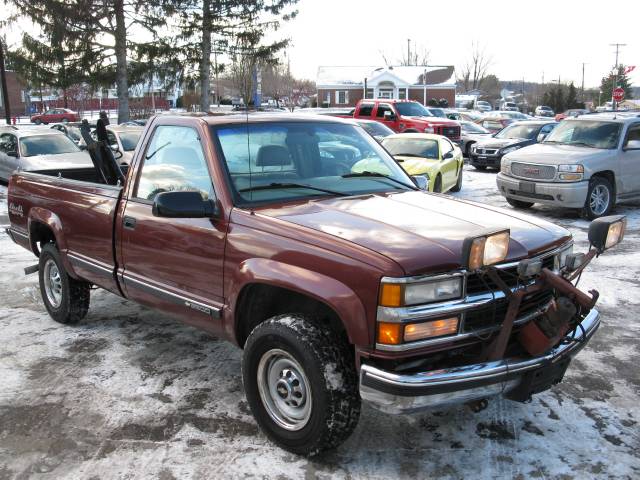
{"x": 487, "y": 249}
{"x": 421, "y": 291}
{"x": 561, "y": 258}
{"x": 606, "y": 232}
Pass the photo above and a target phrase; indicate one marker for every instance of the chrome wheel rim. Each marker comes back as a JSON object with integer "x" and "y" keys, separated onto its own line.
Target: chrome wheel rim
{"x": 599, "y": 199}
{"x": 52, "y": 283}
{"x": 284, "y": 390}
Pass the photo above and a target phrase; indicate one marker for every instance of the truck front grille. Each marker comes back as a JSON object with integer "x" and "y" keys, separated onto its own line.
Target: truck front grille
{"x": 477, "y": 284}
{"x": 538, "y": 172}
{"x": 486, "y": 151}
{"x": 450, "y": 132}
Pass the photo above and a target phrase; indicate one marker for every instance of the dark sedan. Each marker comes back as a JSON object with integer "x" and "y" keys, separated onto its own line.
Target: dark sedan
{"x": 489, "y": 152}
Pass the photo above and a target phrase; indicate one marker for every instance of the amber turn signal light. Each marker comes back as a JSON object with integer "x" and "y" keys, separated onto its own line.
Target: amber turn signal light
{"x": 436, "y": 328}
{"x": 391, "y": 295}
{"x": 389, "y": 333}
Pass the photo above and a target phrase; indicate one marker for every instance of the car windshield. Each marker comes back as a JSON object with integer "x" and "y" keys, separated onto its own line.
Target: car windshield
{"x": 129, "y": 140}
{"x": 412, "y": 109}
{"x": 275, "y": 161}
{"x": 414, "y": 147}
{"x": 376, "y": 129}
{"x": 470, "y": 127}
{"x": 438, "y": 112}
{"x": 592, "y": 133}
{"x": 46, "y": 145}
{"x": 518, "y": 131}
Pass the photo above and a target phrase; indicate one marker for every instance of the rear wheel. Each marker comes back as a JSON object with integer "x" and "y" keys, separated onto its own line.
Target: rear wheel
{"x": 519, "y": 204}
{"x": 65, "y": 298}
{"x": 301, "y": 384}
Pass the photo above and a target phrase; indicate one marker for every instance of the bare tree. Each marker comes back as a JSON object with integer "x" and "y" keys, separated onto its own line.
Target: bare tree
{"x": 419, "y": 56}
{"x": 475, "y": 70}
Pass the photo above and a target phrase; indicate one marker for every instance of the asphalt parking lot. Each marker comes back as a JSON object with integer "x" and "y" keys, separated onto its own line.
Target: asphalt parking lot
{"x": 129, "y": 393}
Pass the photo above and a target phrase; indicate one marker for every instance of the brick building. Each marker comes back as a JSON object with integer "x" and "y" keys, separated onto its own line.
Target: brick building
{"x": 344, "y": 86}
{"x": 16, "y": 96}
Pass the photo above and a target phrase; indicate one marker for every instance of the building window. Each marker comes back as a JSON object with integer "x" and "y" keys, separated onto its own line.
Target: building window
{"x": 327, "y": 99}
{"x": 402, "y": 93}
{"x": 385, "y": 93}
{"x": 369, "y": 93}
{"x": 342, "y": 97}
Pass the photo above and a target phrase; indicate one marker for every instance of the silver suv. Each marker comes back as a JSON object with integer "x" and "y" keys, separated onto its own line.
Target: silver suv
{"x": 590, "y": 163}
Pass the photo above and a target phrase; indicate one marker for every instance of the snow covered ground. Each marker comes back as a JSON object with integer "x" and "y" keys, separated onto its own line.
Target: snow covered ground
{"x": 129, "y": 393}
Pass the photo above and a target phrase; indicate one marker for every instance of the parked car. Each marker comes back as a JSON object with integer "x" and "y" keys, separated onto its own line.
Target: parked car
{"x": 135, "y": 123}
{"x": 123, "y": 140}
{"x": 339, "y": 289}
{"x": 495, "y": 124}
{"x": 514, "y": 115}
{"x": 406, "y": 116}
{"x": 509, "y": 107}
{"x": 470, "y": 134}
{"x": 544, "y": 111}
{"x": 589, "y": 163}
{"x": 571, "y": 113}
{"x": 70, "y": 130}
{"x": 27, "y": 150}
{"x": 471, "y": 116}
{"x": 376, "y": 129}
{"x": 483, "y": 106}
{"x": 433, "y": 156}
{"x": 489, "y": 152}
{"x": 54, "y": 115}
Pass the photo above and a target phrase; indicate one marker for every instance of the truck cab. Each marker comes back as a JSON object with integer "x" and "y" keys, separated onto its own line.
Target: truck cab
{"x": 407, "y": 116}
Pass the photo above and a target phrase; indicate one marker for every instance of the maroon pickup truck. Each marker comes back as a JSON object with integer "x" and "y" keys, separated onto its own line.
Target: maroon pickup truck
{"x": 341, "y": 284}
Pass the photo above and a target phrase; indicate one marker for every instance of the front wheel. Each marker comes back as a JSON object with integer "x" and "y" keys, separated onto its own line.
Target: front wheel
{"x": 437, "y": 186}
{"x": 600, "y": 198}
{"x": 301, "y": 384}
{"x": 65, "y": 298}
{"x": 458, "y": 186}
{"x": 37, "y": 121}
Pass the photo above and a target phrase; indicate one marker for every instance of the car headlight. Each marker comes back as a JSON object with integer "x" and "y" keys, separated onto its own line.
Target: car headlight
{"x": 510, "y": 149}
{"x": 405, "y": 292}
{"x": 505, "y": 167}
{"x": 561, "y": 258}
{"x": 570, "y": 173}
{"x": 607, "y": 232}
{"x": 485, "y": 249}
{"x": 429, "y": 130}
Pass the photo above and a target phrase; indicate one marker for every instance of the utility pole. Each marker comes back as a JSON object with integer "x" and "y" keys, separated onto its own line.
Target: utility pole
{"x": 583, "y": 64}
{"x": 408, "y": 51}
{"x": 5, "y": 91}
{"x": 615, "y": 73}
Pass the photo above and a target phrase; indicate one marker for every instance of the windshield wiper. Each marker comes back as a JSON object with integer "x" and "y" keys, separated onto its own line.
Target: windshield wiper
{"x": 582, "y": 144}
{"x": 378, "y": 175}
{"x": 276, "y": 185}
{"x": 407, "y": 155}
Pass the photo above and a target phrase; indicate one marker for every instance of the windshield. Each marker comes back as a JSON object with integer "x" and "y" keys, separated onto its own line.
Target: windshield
{"x": 47, "y": 145}
{"x": 415, "y": 147}
{"x": 438, "y": 112}
{"x": 470, "y": 127}
{"x": 518, "y": 131}
{"x": 595, "y": 134}
{"x": 376, "y": 129}
{"x": 129, "y": 140}
{"x": 272, "y": 162}
{"x": 412, "y": 109}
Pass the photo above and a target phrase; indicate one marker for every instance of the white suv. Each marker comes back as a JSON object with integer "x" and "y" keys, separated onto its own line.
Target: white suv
{"x": 544, "y": 111}
{"x": 590, "y": 162}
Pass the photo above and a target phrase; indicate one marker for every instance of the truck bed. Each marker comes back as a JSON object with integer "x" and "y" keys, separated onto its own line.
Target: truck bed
{"x": 42, "y": 202}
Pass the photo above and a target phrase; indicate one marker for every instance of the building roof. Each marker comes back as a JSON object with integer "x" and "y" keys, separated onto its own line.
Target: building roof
{"x": 408, "y": 75}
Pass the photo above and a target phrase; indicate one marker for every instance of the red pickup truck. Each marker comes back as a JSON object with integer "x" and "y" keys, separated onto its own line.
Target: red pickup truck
{"x": 406, "y": 116}
{"x": 341, "y": 285}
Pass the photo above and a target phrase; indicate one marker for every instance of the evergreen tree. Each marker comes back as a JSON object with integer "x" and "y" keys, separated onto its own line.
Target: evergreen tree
{"x": 572, "y": 97}
{"x": 606, "y": 85}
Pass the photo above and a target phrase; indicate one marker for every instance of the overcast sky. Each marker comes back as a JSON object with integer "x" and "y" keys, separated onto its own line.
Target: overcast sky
{"x": 524, "y": 39}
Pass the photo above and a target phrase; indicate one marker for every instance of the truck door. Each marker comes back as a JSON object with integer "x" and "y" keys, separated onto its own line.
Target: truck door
{"x": 449, "y": 165}
{"x": 630, "y": 162}
{"x": 174, "y": 263}
{"x": 380, "y": 116}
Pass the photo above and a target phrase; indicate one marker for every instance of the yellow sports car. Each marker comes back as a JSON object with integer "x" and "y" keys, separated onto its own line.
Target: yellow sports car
{"x": 433, "y": 156}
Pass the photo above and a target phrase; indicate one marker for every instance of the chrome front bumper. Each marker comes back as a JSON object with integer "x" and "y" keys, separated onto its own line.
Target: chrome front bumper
{"x": 398, "y": 393}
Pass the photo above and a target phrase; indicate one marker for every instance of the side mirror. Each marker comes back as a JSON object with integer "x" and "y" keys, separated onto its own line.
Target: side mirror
{"x": 183, "y": 205}
{"x": 447, "y": 155}
{"x": 541, "y": 137}
{"x": 632, "y": 145}
{"x": 389, "y": 116}
{"x": 421, "y": 181}
{"x": 607, "y": 232}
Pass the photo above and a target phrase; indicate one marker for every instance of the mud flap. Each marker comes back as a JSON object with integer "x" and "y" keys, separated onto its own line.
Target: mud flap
{"x": 539, "y": 380}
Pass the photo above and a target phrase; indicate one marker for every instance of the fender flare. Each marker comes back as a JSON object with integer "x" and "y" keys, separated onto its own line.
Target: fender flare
{"x": 53, "y": 222}
{"x": 333, "y": 293}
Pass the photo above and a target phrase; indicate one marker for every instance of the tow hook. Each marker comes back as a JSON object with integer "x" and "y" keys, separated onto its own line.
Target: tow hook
{"x": 477, "y": 405}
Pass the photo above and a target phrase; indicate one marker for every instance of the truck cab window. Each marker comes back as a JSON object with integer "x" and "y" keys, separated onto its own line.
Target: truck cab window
{"x": 383, "y": 107}
{"x": 366, "y": 109}
{"x": 174, "y": 161}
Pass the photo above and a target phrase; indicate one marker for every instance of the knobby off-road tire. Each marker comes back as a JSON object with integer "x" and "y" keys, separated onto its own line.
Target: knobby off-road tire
{"x": 65, "y": 298}
{"x": 301, "y": 384}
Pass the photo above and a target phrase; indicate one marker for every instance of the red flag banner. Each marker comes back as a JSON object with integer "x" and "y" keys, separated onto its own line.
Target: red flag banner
{"x": 629, "y": 69}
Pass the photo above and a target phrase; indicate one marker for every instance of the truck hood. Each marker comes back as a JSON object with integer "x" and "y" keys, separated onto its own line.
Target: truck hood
{"x": 555, "y": 154}
{"x": 62, "y": 161}
{"x": 433, "y": 120}
{"x": 421, "y": 232}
